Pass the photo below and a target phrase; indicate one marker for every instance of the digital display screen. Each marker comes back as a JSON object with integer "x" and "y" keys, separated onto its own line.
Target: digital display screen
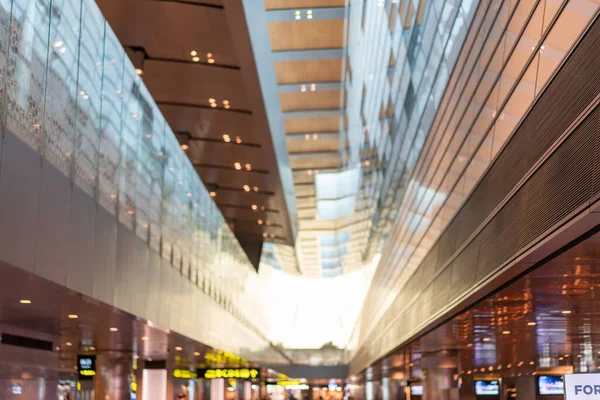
{"x": 487, "y": 388}
{"x": 550, "y": 384}
{"x": 416, "y": 390}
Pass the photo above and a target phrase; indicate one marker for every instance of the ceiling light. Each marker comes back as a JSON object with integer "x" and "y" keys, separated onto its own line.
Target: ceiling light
{"x": 531, "y": 362}
{"x": 297, "y": 17}
{"x": 226, "y": 138}
{"x": 272, "y": 236}
{"x": 262, "y": 208}
{"x": 309, "y": 16}
{"x": 307, "y": 136}
{"x": 237, "y": 166}
{"x": 248, "y": 167}
{"x": 184, "y": 147}
{"x": 303, "y": 88}
{"x": 178, "y": 348}
{"x": 367, "y": 163}
{"x": 246, "y": 188}
{"x": 58, "y": 43}
{"x": 531, "y": 323}
{"x": 238, "y": 140}
{"x": 211, "y": 100}
{"x": 486, "y": 339}
{"x": 315, "y": 136}
{"x": 213, "y": 105}
{"x": 297, "y": 13}
{"x": 566, "y": 311}
{"x": 196, "y": 353}
{"x": 189, "y": 194}
{"x": 227, "y": 106}
{"x": 73, "y": 316}
{"x": 148, "y": 359}
{"x": 144, "y": 338}
{"x": 92, "y": 348}
{"x": 211, "y": 60}
{"x": 260, "y": 221}
{"x": 25, "y": 301}
{"x": 255, "y": 188}
{"x": 506, "y": 332}
{"x": 69, "y": 344}
{"x": 309, "y": 12}
{"x": 139, "y": 71}
{"x": 313, "y": 87}
{"x": 213, "y": 194}
{"x": 267, "y": 223}
{"x": 57, "y": 348}
{"x": 309, "y": 172}
{"x": 225, "y": 102}
{"x": 254, "y": 207}
{"x": 265, "y": 234}
{"x": 195, "y": 59}
{"x": 193, "y": 53}
{"x": 560, "y": 358}
{"x": 209, "y": 55}
{"x": 113, "y": 329}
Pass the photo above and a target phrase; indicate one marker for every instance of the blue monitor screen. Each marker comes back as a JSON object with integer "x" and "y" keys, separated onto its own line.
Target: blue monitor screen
{"x": 550, "y": 384}
{"x": 487, "y": 388}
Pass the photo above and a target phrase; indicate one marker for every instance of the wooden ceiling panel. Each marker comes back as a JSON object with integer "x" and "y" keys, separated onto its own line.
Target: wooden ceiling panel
{"x": 283, "y": 4}
{"x": 305, "y": 35}
{"x": 320, "y": 124}
{"x": 294, "y": 101}
{"x": 310, "y": 161}
{"x": 302, "y": 71}
{"x": 306, "y": 146}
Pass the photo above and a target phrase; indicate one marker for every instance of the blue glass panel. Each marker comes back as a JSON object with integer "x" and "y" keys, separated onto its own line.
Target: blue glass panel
{"x": 337, "y": 184}
{"x": 332, "y": 209}
{"x": 334, "y": 240}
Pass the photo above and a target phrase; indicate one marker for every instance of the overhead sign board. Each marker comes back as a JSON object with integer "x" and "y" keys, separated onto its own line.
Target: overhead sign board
{"x": 233, "y": 373}
{"x": 582, "y": 386}
{"x": 182, "y": 373}
{"x": 86, "y": 366}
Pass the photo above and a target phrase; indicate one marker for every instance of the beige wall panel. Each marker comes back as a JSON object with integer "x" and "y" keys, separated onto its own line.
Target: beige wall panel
{"x": 301, "y": 35}
{"x": 308, "y": 71}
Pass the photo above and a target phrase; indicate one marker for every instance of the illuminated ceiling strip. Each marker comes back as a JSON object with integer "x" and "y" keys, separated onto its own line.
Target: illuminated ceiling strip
{"x": 324, "y": 13}
{"x": 310, "y": 54}
{"x": 319, "y": 87}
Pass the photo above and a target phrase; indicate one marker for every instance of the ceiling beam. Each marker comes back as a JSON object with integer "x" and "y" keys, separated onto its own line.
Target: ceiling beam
{"x": 306, "y": 14}
{"x": 306, "y": 87}
{"x": 336, "y": 112}
{"x": 308, "y": 54}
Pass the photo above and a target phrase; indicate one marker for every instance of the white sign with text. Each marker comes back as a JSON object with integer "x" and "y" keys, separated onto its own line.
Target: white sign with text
{"x": 582, "y": 387}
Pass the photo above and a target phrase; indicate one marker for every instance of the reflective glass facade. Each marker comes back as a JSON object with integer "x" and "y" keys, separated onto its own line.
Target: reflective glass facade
{"x": 69, "y": 92}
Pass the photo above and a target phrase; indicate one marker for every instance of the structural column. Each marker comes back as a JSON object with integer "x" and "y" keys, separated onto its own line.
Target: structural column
{"x": 113, "y": 375}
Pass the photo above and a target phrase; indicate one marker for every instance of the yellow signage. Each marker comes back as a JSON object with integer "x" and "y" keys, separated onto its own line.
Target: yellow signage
{"x": 289, "y": 383}
{"x": 133, "y": 386}
{"x": 87, "y": 372}
{"x": 235, "y": 373}
{"x": 184, "y": 374}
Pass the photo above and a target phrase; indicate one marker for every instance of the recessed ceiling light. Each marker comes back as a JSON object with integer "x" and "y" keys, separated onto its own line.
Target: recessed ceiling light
{"x": 213, "y": 105}
{"x": 25, "y": 301}
{"x": 195, "y": 59}
{"x": 225, "y": 102}
{"x": 213, "y": 194}
{"x": 211, "y": 100}
{"x": 531, "y": 362}
{"x": 226, "y": 138}
{"x": 144, "y": 338}
{"x": 313, "y": 87}
{"x": 148, "y": 359}
{"x": 178, "y": 348}
{"x": 69, "y": 344}
{"x": 113, "y": 329}
{"x": 486, "y": 339}
{"x": 272, "y": 236}
{"x": 92, "y": 348}
{"x": 255, "y": 188}
{"x": 309, "y": 16}
{"x": 238, "y": 139}
{"x": 309, "y": 12}
{"x": 184, "y": 147}
{"x": 254, "y": 207}
{"x": 227, "y": 106}
{"x": 262, "y": 208}
{"x": 196, "y": 353}
{"x": 303, "y": 88}
{"x": 57, "y": 348}
{"x": 193, "y": 53}
{"x": 211, "y": 60}
{"x": 73, "y": 316}
{"x": 209, "y": 55}
{"x": 297, "y": 17}
{"x": 139, "y": 71}
{"x": 506, "y": 332}
{"x": 248, "y": 167}
{"x": 58, "y": 43}
{"x": 315, "y": 136}
{"x": 309, "y": 172}
{"x": 297, "y": 13}
{"x": 189, "y": 194}
{"x": 531, "y": 323}
{"x": 307, "y": 136}
{"x": 566, "y": 311}
{"x": 237, "y": 166}
{"x": 246, "y": 188}
{"x": 265, "y": 234}
{"x": 260, "y": 221}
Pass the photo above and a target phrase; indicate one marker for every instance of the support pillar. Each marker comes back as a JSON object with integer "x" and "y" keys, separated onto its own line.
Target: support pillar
{"x": 440, "y": 370}
{"x": 217, "y": 389}
{"x": 113, "y": 375}
{"x": 154, "y": 381}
